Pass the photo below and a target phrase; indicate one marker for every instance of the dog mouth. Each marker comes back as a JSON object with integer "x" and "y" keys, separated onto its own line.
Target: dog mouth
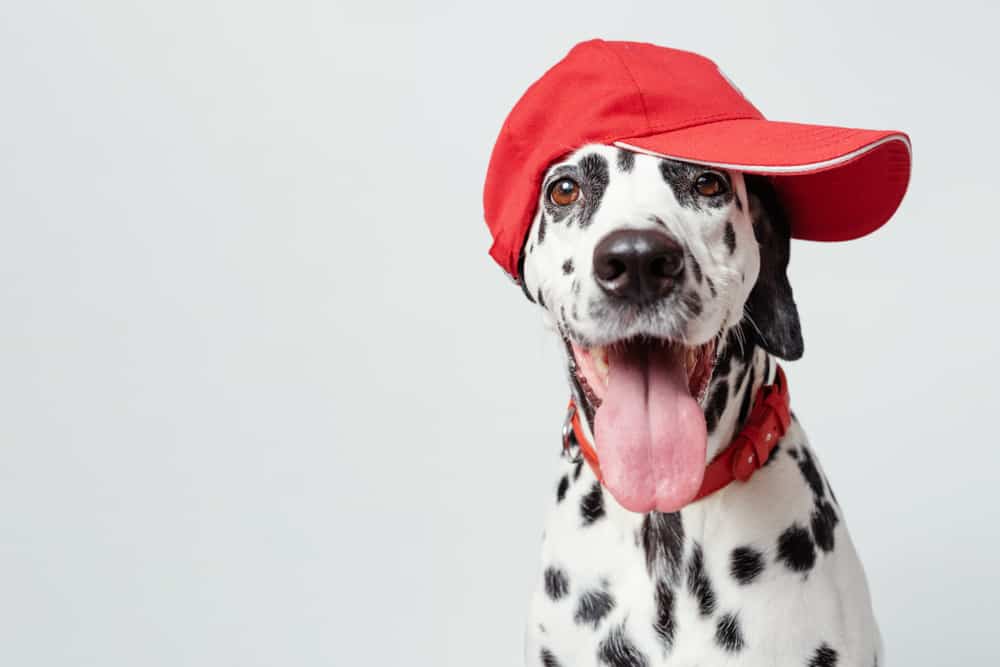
{"x": 649, "y": 427}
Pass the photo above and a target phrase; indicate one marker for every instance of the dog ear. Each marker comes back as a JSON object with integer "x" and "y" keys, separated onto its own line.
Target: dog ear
{"x": 774, "y": 317}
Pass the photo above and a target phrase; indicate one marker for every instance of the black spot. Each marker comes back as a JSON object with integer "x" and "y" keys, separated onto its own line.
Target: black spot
{"x": 730, "y": 237}
{"x": 736, "y": 347}
{"x": 728, "y": 634}
{"x": 556, "y": 583}
{"x": 824, "y": 520}
{"x": 723, "y": 362}
{"x": 745, "y": 369}
{"x": 626, "y": 160}
{"x": 577, "y": 470}
{"x": 541, "y": 228}
{"x": 595, "y": 181}
{"x": 811, "y": 473}
{"x": 567, "y": 266}
{"x": 541, "y": 301}
{"x": 698, "y": 584}
{"x": 592, "y": 504}
{"x": 716, "y": 405}
{"x": 746, "y": 564}
{"x": 548, "y": 660}
{"x": 663, "y": 541}
{"x": 617, "y": 651}
{"x": 773, "y": 455}
{"x": 663, "y": 626}
{"x": 561, "y": 490}
{"x": 711, "y": 287}
{"x": 594, "y": 606}
{"x": 747, "y": 395}
{"x": 658, "y": 220}
{"x": 520, "y": 277}
{"x": 739, "y": 204}
{"x": 794, "y": 453}
{"x": 824, "y": 657}
{"x": 796, "y": 549}
{"x": 695, "y": 267}
{"x": 693, "y": 304}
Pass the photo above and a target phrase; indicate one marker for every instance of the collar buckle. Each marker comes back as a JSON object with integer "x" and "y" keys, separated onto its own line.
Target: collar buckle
{"x": 568, "y": 436}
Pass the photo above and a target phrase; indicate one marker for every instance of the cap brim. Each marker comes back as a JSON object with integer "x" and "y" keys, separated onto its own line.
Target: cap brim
{"x": 835, "y": 183}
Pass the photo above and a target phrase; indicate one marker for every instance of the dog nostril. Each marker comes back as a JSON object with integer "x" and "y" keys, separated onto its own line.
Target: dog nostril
{"x": 611, "y": 269}
{"x": 666, "y": 266}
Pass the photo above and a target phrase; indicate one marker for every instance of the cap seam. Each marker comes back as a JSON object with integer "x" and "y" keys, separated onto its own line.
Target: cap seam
{"x": 702, "y": 120}
{"x": 638, "y": 89}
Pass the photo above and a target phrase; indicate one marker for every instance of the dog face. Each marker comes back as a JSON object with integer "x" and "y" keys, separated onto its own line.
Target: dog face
{"x": 646, "y": 267}
{"x": 682, "y": 229}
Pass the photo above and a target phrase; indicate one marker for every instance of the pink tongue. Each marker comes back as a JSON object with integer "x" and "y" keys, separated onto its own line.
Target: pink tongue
{"x": 649, "y": 432}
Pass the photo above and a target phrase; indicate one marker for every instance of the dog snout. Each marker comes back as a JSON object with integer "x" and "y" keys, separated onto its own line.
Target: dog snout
{"x": 638, "y": 265}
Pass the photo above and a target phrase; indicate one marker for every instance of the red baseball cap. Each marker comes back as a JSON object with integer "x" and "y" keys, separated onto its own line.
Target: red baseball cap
{"x": 835, "y": 183}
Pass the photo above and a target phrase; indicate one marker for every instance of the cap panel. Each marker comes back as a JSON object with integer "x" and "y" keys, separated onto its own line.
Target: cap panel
{"x": 680, "y": 88}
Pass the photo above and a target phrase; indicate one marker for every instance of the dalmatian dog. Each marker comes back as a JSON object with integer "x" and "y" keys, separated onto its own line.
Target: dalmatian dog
{"x": 667, "y": 282}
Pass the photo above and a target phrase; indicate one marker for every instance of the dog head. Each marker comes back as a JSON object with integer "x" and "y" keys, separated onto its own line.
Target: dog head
{"x": 645, "y": 266}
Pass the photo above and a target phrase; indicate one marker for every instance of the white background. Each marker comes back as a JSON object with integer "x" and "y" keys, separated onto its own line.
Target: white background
{"x": 266, "y": 401}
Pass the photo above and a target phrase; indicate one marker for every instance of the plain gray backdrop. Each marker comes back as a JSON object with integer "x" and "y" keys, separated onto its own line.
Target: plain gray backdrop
{"x": 266, "y": 400}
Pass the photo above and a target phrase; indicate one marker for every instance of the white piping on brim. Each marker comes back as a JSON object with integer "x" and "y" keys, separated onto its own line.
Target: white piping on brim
{"x": 782, "y": 169}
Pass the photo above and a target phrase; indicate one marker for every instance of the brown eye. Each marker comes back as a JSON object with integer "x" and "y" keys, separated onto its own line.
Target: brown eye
{"x": 564, "y": 192}
{"x": 710, "y": 184}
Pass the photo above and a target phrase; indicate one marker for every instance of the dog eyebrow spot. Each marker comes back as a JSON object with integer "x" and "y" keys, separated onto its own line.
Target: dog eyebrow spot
{"x": 678, "y": 176}
{"x": 567, "y": 266}
{"x": 626, "y": 160}
{"x": 595, "y": 181}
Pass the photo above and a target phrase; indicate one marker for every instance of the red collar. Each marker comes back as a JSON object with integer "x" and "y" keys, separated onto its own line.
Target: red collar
{"x": 748, "y": 450}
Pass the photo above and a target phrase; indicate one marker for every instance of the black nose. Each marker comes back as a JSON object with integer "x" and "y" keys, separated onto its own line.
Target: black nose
{"x": 640, "y": 265}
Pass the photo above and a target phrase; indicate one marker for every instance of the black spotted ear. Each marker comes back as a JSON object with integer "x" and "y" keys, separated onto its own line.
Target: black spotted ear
{"x": 774, "y": 317}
